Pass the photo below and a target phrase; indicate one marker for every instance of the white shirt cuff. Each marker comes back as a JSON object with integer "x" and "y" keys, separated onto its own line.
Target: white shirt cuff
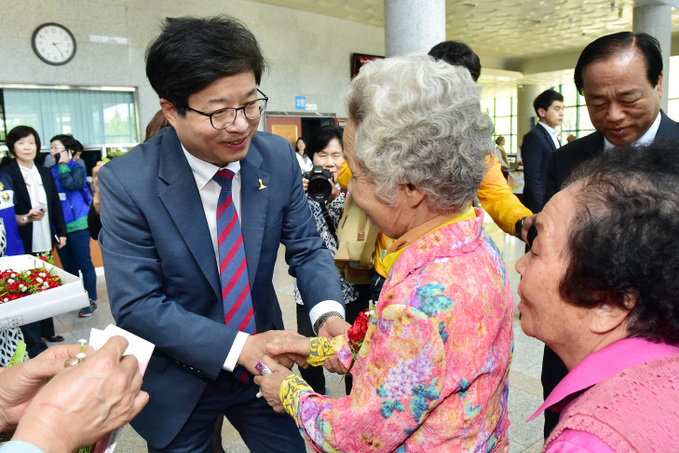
{"x": 19, "y": 446}
{"x": 325, "y": 306}
{"x": 236, "y": 348}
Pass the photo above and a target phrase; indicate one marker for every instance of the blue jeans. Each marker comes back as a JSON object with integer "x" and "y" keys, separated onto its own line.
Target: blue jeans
{"x": 75, "y": 256}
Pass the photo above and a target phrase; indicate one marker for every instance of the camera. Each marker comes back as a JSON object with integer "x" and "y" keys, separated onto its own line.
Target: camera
{"x": 319, "y": 188}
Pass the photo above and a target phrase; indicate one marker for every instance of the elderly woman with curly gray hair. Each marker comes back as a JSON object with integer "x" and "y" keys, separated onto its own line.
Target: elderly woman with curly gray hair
{"x": 431, "y": 373}
{"x": 600, "y": 288}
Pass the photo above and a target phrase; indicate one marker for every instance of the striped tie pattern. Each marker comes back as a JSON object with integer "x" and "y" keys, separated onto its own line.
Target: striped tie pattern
{"x": 233, "y": 269}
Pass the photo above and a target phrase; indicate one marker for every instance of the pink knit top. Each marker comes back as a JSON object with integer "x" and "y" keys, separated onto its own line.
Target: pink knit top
{"x": 626, "y": 395}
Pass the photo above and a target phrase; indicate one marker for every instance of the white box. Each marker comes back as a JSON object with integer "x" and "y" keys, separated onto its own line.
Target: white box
{"x": 68, "y": 297}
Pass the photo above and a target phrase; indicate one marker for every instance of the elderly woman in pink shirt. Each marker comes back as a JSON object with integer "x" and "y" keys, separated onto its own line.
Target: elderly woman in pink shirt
{"x": 600, "y": 287}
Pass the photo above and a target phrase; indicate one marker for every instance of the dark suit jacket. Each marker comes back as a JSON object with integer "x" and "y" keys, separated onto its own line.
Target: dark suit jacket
{"x": 23, "y": 203}
{"x": 535, "y": 151}
{"x": 161, "y": 270}
{"x": 567, "y": 158}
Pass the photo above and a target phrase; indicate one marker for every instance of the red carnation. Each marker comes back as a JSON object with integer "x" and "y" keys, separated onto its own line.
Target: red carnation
{"x": 14, "y": 285}
{"x": 357, "y": 331}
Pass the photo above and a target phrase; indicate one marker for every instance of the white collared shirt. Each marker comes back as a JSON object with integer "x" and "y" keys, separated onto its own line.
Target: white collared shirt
{"x": 209, "y": 190}
{"x": 553, "y": 133}
{"x": 645, "y": 139}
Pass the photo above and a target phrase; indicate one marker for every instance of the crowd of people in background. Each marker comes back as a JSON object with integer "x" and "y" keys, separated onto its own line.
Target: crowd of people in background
{"x": 190, "y": 223}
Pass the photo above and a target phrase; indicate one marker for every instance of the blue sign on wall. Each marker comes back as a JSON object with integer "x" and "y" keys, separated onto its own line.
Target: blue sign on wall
{"x": 300, "y": 102}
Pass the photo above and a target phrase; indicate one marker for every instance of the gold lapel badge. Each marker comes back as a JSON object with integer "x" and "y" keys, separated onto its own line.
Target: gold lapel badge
{"x": 5, "y": 196}
{"x": 261, "y": 185}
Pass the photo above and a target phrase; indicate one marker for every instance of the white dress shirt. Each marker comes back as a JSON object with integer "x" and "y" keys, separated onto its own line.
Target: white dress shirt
{"x": 552, "y": 133}
{"x": 645, "y": 139}
{"x": 209, "y": 190}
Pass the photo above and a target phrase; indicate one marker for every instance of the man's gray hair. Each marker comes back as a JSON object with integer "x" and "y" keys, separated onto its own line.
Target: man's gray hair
{"x": 419, "y": 122}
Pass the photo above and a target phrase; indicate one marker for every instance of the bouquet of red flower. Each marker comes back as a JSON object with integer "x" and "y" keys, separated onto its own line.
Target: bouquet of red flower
{"x": 356, "y": 332}
{"x": 14, "y": 285}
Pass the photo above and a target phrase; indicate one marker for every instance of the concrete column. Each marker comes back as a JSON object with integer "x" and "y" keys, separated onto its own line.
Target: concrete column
{"x": 413, "y": 25}
{"x": 655, "y": 18}
{"x": 526, "y": 94}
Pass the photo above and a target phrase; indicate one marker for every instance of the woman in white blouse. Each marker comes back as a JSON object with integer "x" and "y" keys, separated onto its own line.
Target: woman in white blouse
{"x": 300, "y": 152}
{"x": 38, "y": 212}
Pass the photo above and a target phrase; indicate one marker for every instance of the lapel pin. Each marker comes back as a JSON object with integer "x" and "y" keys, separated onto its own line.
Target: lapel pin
{"x": 261, "y": 185}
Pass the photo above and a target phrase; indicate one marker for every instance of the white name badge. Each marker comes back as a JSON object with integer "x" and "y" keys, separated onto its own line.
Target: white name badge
{"x": 62, "y": 196}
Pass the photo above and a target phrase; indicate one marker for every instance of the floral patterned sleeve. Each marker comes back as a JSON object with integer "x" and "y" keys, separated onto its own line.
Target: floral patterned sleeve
{"x": 397, "y": 381}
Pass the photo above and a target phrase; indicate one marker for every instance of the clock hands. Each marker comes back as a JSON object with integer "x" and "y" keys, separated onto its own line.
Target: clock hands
{"x": 57, "y": 47}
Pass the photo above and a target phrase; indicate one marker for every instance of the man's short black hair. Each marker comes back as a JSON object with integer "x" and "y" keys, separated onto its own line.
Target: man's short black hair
{"x": 458, "y": 54}
{"x": 610, "y": 45}
{"x": 545, "y": 100}
{"x": 191, "y": 53}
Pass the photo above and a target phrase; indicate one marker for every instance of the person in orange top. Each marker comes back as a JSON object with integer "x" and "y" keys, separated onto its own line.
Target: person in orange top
{"x": 495, "y": 195}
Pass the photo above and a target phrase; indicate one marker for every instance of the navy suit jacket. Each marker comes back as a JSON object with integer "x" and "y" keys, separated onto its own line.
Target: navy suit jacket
{"x": 161, "y": 271}
{"x": 23, "y": 203}
{"x": 535, "y": 151}
{"x": 567, "y": 158}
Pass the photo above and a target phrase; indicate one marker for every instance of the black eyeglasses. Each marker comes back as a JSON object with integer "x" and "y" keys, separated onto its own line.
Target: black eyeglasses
{"x": 223, "y": 118}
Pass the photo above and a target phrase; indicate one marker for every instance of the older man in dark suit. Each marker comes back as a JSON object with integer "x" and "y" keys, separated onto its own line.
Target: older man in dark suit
{"x": 192, "y": 223}
{"x": 620, "y": 76}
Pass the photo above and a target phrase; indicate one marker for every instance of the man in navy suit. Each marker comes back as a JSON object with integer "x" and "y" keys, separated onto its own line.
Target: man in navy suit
{"x": 620, "y": 76}
{"x": 539, "y": 143}
{"x": 159, "y": 240}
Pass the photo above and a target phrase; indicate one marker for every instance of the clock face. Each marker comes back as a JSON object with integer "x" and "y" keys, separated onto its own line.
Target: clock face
{"x": 54, "y": 44}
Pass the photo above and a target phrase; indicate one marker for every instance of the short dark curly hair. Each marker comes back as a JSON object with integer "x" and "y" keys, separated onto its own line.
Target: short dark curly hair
{"x": 624, "y": 241}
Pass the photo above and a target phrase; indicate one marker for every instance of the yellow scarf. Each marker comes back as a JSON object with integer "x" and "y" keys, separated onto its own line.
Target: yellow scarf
{"x": 399, "y": 245}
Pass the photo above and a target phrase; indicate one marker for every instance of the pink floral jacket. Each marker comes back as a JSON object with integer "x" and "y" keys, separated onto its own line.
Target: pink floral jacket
{"x": 432, "y": 372}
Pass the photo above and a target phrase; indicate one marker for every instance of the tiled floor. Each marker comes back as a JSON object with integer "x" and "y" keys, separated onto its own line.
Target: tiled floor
{"x": 524, "y": 394}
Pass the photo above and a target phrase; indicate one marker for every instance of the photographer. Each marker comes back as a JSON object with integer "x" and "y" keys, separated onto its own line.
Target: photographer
{"x": 326, "y": 199}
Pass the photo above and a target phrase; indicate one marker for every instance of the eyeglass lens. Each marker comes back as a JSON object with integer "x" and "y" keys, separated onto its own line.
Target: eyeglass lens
{"x": 226, "y": 117}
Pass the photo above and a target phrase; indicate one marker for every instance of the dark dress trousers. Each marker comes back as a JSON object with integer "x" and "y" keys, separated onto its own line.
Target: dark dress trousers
{"x": 164, "y": 283}
{"x": 561, "y": 164}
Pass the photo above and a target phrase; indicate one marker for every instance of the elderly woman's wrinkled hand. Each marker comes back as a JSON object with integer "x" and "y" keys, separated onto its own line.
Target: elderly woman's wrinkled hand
{"x": 85, "y": 402}
{"x": 293, "y": 347}
{"x": 270, "y": 384}
{"x": 19, "y": 384}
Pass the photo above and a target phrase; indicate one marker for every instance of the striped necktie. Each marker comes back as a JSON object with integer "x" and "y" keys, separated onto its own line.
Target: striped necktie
{"x": 233, "y": 269}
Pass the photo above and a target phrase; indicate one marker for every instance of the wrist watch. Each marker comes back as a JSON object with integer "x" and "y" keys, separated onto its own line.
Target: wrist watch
{"x": 518, "y": 226}
{"x": 324, "y": 317}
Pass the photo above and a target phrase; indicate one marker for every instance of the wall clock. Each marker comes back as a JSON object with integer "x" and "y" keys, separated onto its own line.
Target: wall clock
{"x": 54, "y": 44}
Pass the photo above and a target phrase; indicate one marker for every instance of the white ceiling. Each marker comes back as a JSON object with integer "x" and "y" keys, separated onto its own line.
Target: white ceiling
{"x": 518, "y": 29}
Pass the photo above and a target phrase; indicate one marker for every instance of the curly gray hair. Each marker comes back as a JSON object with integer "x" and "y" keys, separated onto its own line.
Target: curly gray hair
{"x": 419, "y": 122}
